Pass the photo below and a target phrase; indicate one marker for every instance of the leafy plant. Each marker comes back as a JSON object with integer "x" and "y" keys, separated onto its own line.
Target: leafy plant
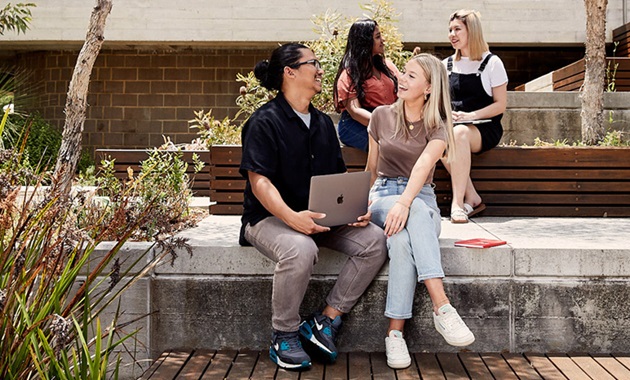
{"x": 54, "y": 292}
{"x": 161, "y": 183}
{"x": 215, "y": 132}
{"x": 16, "y": 17}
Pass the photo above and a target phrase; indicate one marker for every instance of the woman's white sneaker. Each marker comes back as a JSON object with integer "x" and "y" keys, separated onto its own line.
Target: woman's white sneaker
{"x": 452, "y": 327}
{"x": 396, "y": 351}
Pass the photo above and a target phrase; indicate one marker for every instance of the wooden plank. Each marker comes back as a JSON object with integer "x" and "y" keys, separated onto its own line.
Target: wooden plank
{"x": 284, "y": 374}
{"x": 553, "y": 186}
{"x": 452, "y": 366}
{"x": 623, "y": 359}
{"x": 545, "y": 367}
{"x": 554, "y": 157}
{"x": 220, "y": 365}
{"x": 339, "y": 370}
{"x": 196, "y": 365}
{"x": 264, "y": 368}
{"x": 612, "y": 365}
{"x": 380, "y": 370}
{"x": 568, "y": 70}
{"x": 623, "y": 29}
{"x": 429, "y": 366}
{"x": 359, "y": 366}
{"x": 243, "y": 365}
{"x": 171, "y": 365}
{"x": 227, "y": 184}
{"x": 226, "y": 197}
{"x": 475, "y": 366}
{"x": 515, "y": 173}
{"x": 155, "y": 365}
{"x": 558, "y": 211}
{"x": 226, "y": 154}
{"x": 225, "y": 172}
{"x": 591, "y": 367}
{"x": 568, "y": 367}
{"x": 499, "y": 368}
{"x": 557, "y": 199}
{"x": 523, "y": 369}
{"x": 230, "y": 209}
{"x": 412, "y": 372}
{"x": 316, "y": 372}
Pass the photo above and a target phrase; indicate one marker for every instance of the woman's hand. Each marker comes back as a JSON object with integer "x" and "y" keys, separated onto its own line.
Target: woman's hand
{"x": 396, "y": 219}
{"x": 464, "y": 116}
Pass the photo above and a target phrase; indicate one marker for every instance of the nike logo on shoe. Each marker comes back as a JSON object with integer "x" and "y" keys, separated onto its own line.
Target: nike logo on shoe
{"x": 276, "y": 346}
{"x": 319, "y": 327}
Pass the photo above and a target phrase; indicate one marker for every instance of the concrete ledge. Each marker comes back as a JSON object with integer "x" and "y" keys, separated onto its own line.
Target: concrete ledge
{"x": 561, "y": 284}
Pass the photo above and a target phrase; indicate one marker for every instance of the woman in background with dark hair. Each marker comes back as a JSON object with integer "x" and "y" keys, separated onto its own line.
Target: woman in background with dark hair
{"x": 364, "y": 81}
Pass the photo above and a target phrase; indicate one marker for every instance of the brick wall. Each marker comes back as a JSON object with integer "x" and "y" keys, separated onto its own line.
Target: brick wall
{"x": 136, "y": 97}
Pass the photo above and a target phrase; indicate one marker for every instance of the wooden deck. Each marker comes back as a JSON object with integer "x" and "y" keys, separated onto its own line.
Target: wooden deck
{"x": 210, "y": 364}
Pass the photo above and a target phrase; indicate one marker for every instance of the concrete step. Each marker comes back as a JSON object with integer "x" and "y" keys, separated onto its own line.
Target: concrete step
{"x": 559, "y": 285}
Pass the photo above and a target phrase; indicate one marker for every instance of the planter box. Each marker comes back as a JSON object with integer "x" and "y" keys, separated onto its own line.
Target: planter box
{"x": 513, "y": 181}
{"x": 132, "y": 157}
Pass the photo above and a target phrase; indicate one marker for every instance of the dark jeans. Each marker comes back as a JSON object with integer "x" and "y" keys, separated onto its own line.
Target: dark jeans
{"x": 352, "y": 133}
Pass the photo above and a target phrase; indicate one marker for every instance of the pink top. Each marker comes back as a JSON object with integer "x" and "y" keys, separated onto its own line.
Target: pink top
{"x": 378, "y": 92}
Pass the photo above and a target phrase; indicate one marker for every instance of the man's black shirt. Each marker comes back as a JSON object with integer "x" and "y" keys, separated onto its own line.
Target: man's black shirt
{"x": 278, "y": 145}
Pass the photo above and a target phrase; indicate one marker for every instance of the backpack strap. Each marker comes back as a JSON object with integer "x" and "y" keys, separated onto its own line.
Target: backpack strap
{"x": 449, "y": 65}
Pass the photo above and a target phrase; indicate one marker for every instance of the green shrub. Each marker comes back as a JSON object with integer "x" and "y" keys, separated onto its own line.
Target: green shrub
{"x": 42, "y": 141}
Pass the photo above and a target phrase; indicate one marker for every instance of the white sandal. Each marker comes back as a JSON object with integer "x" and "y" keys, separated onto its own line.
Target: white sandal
{"x": 459, "y": 216}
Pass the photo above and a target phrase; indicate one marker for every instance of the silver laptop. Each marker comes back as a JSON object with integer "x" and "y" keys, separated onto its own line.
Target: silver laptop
{"x": 342, "y": 197}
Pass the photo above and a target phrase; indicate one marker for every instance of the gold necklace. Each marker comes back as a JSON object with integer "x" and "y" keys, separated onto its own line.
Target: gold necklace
{"x": 410, "y": 123}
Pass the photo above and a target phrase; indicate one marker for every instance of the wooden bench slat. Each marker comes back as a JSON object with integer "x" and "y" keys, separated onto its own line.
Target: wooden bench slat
{"x": 429, "y": 366}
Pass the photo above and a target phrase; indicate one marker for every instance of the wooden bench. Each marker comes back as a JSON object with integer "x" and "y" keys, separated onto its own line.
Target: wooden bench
{"x": 513, "y": 181}
{"x": 132, "y": 158}
{"x": 571, "y": 77}
{"x": 621, "y": 36}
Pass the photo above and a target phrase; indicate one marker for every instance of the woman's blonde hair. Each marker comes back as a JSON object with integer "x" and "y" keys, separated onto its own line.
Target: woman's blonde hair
{"x": 437, "y": 106}
{"x": 476, "y": 43}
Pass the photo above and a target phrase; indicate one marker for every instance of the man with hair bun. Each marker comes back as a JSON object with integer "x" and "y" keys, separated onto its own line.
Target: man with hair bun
{"x": 285, "y": 143}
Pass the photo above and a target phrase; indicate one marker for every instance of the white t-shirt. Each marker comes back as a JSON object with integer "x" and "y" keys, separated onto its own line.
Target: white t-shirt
{"x": 493, "y": 75}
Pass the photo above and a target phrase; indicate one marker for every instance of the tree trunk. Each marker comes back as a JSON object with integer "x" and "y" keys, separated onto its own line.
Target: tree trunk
{"x": 76, "y": 103}
{"x": 592, "y": 95}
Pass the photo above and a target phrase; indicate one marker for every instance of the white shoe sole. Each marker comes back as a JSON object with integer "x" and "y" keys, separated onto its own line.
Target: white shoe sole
{"x": 399, "y": 365}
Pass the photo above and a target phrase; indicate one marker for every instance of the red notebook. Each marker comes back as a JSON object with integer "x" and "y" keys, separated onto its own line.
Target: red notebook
{"x": 479, "y": 243}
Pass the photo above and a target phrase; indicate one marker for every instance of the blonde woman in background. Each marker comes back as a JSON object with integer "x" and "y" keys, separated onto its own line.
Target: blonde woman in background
{"x": 478, "y": 83}
{"x": 406, "y": 140}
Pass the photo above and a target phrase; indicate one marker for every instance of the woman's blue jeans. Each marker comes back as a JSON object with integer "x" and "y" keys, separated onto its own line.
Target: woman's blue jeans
{"x": 414, "y": 252}
{"x": 352, "y": 133}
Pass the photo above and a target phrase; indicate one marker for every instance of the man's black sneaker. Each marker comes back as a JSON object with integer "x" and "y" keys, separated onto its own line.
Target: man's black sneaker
{"x": 322, "y": 332}
{"x": 287, "y": 352}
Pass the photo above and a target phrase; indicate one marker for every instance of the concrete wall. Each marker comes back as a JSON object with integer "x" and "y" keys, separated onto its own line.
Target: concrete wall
{"x": 553, "y": 116}
{"x": 192, "y": 22}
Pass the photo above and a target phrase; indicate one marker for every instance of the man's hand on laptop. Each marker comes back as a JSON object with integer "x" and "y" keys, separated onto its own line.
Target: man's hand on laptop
{"x": 303, "y": 222}
{"x": 363, "y": 220}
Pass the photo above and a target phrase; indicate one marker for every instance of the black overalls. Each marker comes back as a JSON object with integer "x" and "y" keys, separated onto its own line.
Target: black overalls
{"x": 468, "y": 95}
